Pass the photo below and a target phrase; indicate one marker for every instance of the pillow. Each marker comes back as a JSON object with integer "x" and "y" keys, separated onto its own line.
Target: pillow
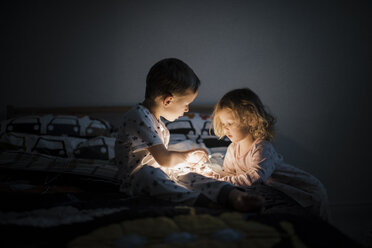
{"x": 101, "y": 147}
{"x": 12, "y": 141}
{"x": 58, "y": 125}
{"x": 105, "y": 171}
{"x": 181, "y": 129}
{"x": 27, "y": 124}
{"x": 195, "y": 127}
{"x": 189, "y": 124}
{"x": 211, "y": 141}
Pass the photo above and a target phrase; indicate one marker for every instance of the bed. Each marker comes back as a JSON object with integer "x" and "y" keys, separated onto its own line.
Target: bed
{"x": 59, "y": 188}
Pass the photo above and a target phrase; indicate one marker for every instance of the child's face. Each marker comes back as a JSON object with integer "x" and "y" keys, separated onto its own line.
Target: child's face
{"x": 232, "y": 129}
{"x": 177, "y": 105}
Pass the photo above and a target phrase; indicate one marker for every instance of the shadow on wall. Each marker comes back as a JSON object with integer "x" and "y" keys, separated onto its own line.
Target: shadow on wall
{"x": 2, "y": 114}
{"x": 293, "y": 153}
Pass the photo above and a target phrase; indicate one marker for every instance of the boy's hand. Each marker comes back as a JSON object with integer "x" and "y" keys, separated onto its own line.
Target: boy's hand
{"x": 197, "y": 156}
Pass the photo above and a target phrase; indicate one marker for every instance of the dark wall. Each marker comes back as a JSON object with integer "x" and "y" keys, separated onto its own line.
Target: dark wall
{"x": 309, "y": 61}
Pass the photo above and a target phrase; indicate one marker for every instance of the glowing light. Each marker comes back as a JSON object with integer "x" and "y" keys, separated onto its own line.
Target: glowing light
{"x": 196, "y": 157}
{"x": 184, "y": 168}
{"x": 195, "y": 164}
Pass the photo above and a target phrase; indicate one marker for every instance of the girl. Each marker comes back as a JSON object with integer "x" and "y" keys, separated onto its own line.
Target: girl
{"x": 251, "y": 158}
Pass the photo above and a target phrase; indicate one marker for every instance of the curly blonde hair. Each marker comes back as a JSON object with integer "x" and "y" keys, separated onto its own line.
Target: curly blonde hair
{"x": 248, "y": 110}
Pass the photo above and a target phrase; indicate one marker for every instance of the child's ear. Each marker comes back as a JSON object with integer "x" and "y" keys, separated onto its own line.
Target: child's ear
{"x": 167, "y": 100}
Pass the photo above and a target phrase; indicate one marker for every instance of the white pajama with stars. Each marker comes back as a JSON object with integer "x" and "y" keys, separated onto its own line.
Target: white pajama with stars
{"x": 142, "y": 175}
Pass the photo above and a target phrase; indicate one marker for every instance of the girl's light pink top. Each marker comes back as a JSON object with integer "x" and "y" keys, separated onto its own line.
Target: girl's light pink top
{"x": 262, "y": 164}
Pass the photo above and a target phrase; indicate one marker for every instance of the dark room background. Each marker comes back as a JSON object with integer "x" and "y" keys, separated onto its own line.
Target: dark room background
{"x": 309, "y": 61}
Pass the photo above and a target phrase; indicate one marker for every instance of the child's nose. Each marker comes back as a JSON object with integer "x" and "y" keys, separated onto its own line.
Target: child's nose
{"x": 186, "y": 109}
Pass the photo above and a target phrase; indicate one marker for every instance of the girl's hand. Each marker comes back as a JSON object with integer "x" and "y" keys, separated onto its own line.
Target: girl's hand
{"x": 209, "y": 174}
{"x": 197, "y": 156}
{"x": 212, "y": 174}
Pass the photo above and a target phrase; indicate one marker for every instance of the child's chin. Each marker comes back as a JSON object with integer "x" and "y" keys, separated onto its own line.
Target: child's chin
{"x": 171, "y": 118}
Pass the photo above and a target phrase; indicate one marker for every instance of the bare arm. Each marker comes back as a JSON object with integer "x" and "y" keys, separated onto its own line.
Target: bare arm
{"x": 167, "y": 158}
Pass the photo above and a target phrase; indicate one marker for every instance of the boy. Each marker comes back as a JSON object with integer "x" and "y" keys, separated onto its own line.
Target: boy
{"x": 141, "y": 147}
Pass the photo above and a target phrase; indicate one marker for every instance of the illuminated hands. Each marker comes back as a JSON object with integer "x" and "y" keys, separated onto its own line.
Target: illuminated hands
{"x": 209, "y": 174}
{"x": 197, "y": 157}
{"x": 195, "y": 161}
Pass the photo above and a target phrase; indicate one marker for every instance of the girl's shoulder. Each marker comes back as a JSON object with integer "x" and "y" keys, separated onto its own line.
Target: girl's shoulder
{"x": 257, "y": 144}
{"x": 262, "y": 144}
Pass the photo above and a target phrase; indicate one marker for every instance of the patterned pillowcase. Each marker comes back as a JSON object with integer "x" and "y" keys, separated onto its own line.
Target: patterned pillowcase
{"x": 187, "y": 127}
{"x": 196, "y": 127}
{"x": 211, "y": 141}
{"x": 59, "y": 125}
{"x": 100, "y": 148}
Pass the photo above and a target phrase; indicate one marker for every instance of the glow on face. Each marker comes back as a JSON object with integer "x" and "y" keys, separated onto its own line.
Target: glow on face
{"x": 231, "y": 127}
{"x": 179, "y": 105}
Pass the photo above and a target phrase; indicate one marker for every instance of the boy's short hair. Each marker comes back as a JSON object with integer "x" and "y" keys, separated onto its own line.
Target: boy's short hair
{"x": 170, "y": 76}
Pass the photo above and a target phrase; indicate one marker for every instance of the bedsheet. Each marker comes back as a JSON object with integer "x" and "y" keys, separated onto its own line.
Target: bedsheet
{"x": 53, "y": 197}
{"x": 111, "y": 220}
